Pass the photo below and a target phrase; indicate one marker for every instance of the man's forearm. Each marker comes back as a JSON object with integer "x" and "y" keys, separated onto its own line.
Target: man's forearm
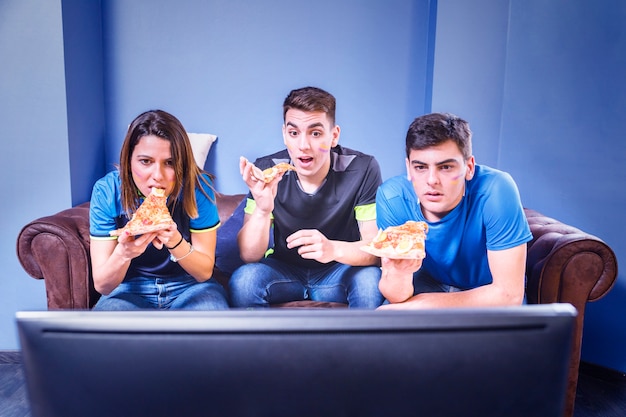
{"x": 254, "y": 236}
{"x": 350, "y": 253}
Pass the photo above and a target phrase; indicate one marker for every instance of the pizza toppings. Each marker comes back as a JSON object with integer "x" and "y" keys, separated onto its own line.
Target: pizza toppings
{"x": 269, "y": 174}
{"x": 406, "y": 241}
{"x": 151, "y": 216}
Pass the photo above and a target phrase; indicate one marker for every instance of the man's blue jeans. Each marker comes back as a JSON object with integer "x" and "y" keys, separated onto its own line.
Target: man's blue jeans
{"x": 159, "y": 293}
{"x": 270, "y": 281}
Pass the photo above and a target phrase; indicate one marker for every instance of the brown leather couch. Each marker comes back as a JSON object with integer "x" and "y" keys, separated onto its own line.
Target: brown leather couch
{"x": 564, "y": 265}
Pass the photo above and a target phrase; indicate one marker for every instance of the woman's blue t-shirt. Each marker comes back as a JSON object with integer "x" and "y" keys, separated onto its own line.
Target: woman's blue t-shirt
{"x": 106, "y": 214}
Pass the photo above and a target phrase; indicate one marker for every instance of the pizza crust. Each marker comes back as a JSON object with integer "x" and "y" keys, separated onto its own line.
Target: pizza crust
{"x": 141, "y": 230}
{"x": 268, "y": 175}
{"x": 392, "y": 254}
{"x": 406, "y": 241}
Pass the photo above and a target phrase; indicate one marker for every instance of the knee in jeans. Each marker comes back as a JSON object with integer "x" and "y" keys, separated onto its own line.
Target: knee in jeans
{"x": 245, "y": 275}
{"x": 368, "y": 275}
{"x": 244, "y": 271}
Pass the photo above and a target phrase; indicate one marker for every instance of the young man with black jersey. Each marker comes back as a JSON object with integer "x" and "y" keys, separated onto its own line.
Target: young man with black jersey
{"x": 302, "y": 231}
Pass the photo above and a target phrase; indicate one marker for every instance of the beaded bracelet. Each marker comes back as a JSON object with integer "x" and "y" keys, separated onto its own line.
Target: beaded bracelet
{"x": 174, "y": 259}
{"x": 179, "y": 242}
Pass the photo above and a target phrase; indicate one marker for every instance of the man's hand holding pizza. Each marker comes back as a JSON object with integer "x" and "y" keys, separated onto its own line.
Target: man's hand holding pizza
{"x": 253, "y": 237}
{"x": 262, "y": 192}
{"x": 402, "y": 249}
{"x": 396, "y": 282}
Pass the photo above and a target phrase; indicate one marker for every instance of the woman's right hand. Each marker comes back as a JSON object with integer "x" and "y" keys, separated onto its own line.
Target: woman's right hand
{"x": 129, "y": 247}
{"x": 110, "y": 259}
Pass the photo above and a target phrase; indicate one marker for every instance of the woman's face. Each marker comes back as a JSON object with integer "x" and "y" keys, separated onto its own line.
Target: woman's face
{"x": 152, "y": 166}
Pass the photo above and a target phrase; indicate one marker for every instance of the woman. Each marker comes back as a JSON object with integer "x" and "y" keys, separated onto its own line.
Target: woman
{"x": 171, "y": 268}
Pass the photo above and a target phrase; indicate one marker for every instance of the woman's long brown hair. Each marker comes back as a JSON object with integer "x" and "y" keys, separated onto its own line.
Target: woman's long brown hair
{"x": 188, "y": 175}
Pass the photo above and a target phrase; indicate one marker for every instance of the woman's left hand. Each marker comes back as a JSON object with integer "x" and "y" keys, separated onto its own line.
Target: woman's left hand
{"x": 167, "y": 237}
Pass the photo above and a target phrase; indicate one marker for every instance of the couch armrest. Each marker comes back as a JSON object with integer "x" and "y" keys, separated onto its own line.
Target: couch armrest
{"x": 566, "y": 265}
{"x": 56, "y": 248}
{"x": 226, "y": 205}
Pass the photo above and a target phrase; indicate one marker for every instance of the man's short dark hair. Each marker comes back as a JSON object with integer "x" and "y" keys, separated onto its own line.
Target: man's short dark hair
{"x": 436, "y": 128}
{"x": 311, "y": 99}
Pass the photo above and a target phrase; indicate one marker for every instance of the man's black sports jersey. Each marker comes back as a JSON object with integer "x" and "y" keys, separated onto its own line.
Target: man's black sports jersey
{"x": 347, "y": 195}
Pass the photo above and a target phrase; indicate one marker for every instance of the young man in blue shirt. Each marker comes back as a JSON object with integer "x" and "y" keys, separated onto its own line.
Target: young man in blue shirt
{"x": 476, "y": 242}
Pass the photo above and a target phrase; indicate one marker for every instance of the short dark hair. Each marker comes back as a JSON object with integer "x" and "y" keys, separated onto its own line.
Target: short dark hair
{"x": 311, "y": 99}
{"x": 436, "y": 128}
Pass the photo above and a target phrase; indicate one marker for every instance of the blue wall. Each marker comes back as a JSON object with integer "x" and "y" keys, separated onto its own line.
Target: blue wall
{"x": 470, "y": 53}
{"x": 541, "y": 82}
{"x": 564, "y": 137}
{"x": 36, "y": 177}
{"x": 84, "y": 77}
{"x": 225, "y": 67}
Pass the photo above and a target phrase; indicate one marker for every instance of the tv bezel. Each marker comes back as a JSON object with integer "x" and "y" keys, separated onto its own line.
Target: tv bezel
{"x": 509, "y": 361}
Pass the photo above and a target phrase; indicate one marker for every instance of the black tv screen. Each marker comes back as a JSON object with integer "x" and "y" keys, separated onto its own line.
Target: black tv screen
{"x": 336, "y": 362}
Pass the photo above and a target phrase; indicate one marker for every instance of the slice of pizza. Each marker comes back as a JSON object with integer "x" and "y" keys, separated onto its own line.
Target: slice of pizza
{"x": 270, "y": 173}
{"x": 151, "y": 216}
{"x": 406, "y": 241}
{"x": 267, "y": 175}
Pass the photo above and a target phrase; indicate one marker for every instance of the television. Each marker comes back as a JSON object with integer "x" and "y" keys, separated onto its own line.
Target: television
{"x": 291, "y": 362}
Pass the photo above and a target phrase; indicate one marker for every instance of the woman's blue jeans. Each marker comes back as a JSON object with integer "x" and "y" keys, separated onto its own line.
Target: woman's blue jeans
{"x": 160, "y": 293}
{"x": 271, "y": 281}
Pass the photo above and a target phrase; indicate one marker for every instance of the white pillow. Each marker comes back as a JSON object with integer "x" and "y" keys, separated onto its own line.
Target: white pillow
{"x": 201, "y": 145}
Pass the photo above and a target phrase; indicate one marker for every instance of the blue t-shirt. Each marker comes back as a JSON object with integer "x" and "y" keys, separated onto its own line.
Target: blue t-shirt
{"x": 106, "y": 214}
{"x": 490, "y": 216}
